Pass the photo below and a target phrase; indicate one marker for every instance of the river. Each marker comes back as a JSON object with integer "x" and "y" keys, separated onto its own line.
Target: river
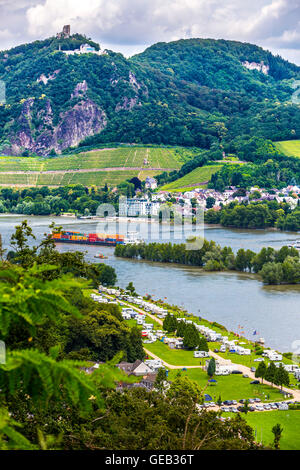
{"x": 238, "y": 301}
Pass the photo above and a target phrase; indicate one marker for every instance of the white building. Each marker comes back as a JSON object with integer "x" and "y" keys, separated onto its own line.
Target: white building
{"x": 138, "y": 208}
{"x": 150, "y": 183}
{"x": 85, "y": 49}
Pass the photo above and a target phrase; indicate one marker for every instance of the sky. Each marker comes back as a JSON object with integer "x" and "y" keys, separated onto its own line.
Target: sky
{"x": 129, "y": 26}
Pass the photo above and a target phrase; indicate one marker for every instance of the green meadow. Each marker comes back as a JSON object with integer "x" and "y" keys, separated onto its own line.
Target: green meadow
{"x": 291, "y": 148}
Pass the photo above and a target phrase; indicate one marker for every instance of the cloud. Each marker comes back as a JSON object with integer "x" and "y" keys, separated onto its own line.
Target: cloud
{"x": 127, "y": 25}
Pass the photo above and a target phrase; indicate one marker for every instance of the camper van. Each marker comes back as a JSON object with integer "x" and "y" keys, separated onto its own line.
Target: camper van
{"x": 200, "y": 354}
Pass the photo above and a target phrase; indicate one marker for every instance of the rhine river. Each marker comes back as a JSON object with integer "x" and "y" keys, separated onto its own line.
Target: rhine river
{"x": 238, "y": 301}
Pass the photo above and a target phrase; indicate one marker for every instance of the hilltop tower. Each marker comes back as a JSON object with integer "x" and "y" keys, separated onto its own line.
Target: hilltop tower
{"x": 66, "y": 32}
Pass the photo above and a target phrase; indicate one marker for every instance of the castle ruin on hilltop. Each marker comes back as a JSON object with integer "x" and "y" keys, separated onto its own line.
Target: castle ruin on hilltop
{"x": 66, "y": 32}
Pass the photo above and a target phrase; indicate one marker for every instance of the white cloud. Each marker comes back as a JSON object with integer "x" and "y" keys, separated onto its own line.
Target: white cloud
{"x": 129, "y": 24}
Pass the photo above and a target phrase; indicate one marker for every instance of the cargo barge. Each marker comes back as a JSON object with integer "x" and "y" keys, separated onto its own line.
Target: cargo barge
{"x": 100, "y": 239}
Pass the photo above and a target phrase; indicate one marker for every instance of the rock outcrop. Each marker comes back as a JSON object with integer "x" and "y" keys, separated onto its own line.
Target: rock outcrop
{"x": 260, "y": 67}
{"x": 83, "y": 119}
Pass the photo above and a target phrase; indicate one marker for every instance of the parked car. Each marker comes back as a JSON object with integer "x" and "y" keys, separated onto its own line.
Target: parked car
{"x": 236, "y": 372}
{"x": 259, "y": 408}
{"x": 255, "y": 382}
{"x": 246, "y": 376}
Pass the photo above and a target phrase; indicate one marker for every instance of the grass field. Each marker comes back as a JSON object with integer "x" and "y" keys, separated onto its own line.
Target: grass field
{"x": 197, "y": 177}
{"x": 262, "y": 423}
{"x": 175, "y": 357}
{"x": 140, "y": 162}
{"x": 291, "y": 148}
{"x": 231, "y": 387}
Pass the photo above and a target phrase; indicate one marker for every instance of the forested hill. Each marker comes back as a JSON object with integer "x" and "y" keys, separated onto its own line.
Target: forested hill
{"x": 218, "y": 63}
{"x": 197, "y": 92}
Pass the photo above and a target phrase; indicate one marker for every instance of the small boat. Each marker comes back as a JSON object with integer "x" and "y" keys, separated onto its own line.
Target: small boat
{"x": 100, "y": 256}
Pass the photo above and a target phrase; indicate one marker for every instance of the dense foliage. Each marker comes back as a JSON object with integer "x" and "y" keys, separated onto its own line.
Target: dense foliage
{"x": 55, "y": 201}
{"x": 257, "y": 214}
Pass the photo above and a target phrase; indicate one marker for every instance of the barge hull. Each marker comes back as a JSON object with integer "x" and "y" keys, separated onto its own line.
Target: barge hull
{"x": 87, "y": 242}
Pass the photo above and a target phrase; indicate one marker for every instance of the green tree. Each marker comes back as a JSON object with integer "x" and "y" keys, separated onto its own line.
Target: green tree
{"x": 261, "y": 371}
{"x": 160, "y": 380}
{"x": 270, "y": 373}
{"x": 281, "y": 377}
{"x": 277, "y": 430}
{"x": 130, "y": 288}
{"x": 203, "y": 346}
{"x": 191, "y": 337}
{"x": 211, "y": 369}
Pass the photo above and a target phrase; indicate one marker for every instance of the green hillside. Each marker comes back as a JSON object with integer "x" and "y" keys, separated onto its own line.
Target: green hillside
{"x": 189, "y": 93}
{"x": 198, "y": 177}
{"x": 111, "y": 166}
{"x": 291, "y": 148}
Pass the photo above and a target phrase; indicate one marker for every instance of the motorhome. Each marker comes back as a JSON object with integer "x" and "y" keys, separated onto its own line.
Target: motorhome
{"x": 201, "y": 354}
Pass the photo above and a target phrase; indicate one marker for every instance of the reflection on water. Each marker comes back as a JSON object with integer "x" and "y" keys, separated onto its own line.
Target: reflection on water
{"x": 233, "y": 299}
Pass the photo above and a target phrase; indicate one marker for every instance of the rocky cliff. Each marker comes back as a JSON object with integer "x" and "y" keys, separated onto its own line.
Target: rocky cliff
{"x": 35, "y": 130}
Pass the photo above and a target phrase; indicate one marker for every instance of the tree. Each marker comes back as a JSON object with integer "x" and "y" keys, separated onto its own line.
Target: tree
{"x": 170, "y": 323}
{"x": 277, "y": 430}
{"x": 203, "y": 346}
{"x": 270, "y": 373}
{"x": 261, "y": 371}
{"x": 130, "y": 288}
{"x": 160, "y": 379}
{"x": 211, "y": 369}
{"x": 210, "y": 202}
{"x": 135, "y": 349}
{"x": 181, "y": 326}
{"x": 281, "y": 377}
{"x": 246, "y": 406}
{"x": 191, "y": 337}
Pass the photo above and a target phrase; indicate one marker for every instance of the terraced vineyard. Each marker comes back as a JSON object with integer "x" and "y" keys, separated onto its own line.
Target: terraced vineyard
{"x": 291, "y": 148}
{"x": 198, "y": 177}
{"x": 111, "y": 166}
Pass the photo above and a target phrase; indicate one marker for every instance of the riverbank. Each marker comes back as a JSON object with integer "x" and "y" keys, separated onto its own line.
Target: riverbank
{"x": 184, "y": 360}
